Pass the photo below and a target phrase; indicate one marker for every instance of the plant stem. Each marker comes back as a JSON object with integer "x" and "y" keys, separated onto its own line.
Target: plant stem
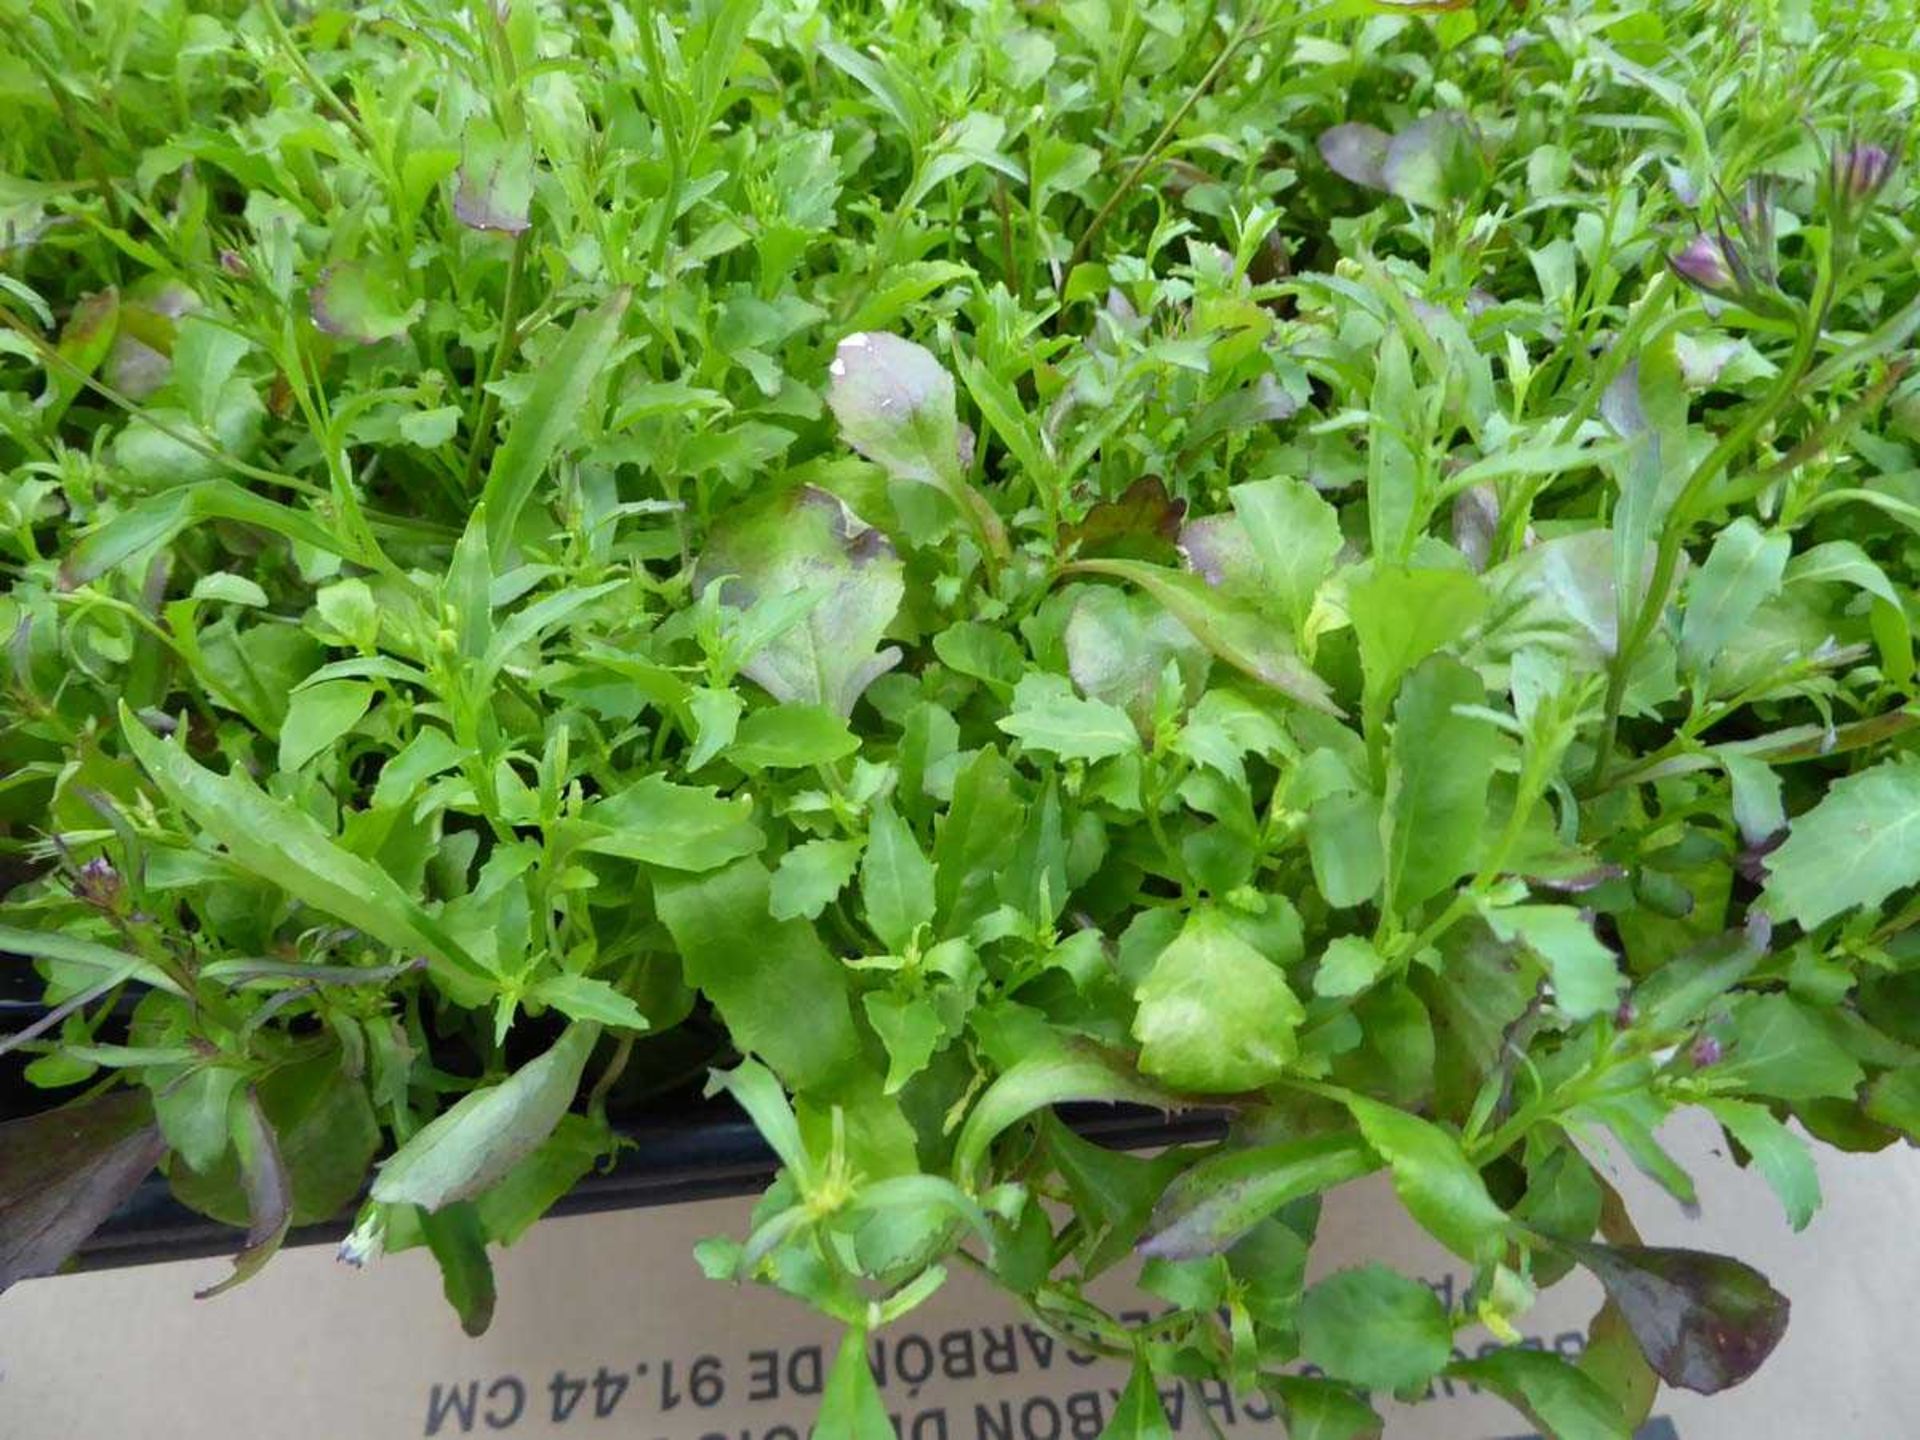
{"x": 478, "y": 446}
{"x": 1681, "y": 517}
{"x": 1245, "y": 32}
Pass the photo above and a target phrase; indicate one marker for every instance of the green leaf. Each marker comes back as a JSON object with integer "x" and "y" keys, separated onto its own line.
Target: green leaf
{"x": 810, "y": 876}
{"x": 283, "y": 846}
{"x": 981, "y": 651}
{"x": 488, "y": 1131}
{"x": 324, "y": 1127}
{"x": 562, "y": 384}
{"x": 1679, "y": 992}
{"x": 429, "y": 753}
{"x": 1743, "y": 571}
{"x": 850, "y": 1405}
{"x": 896, "y": 880}
{"x": 64, "y": 1171}
{"x": 1212, "y": 1205}
{"x": 205, "y": 355}
{"x": 1757, "y": 808}
{"x": 783, "y": 997}
{"x": 1375, "y": 1329}
{"x": 1435, "y": 1180}
{"x": 1394, "y": 462}
{"x": 1841, "y": 562}
{"x": 759, "y": 1094}
{"x": 1119, "y": 646}
{"x": 1343, "y": 846}
{"x": 1349, "y": 965}
{"x": 1052, "y": 1076}
{"x": 1704, "y": 1322}
{"x": 156, "y": 520}
{"x": 318, "y": 715}
{"x": 510, "y": 1206}
{"x": 581, "y": 997}
{"x": 1295, "y": 534}
{"x": 1781, "y": 1156}
{"x": 1613, "y": 1359}
{"x": 909, "y": 1028}
{"x": 495, "y": 180}
{"x": 677, "y": 827}
{"x": 1560, "y": 1399}
{"x": 1855, "y": 848}
{"x": 791, "y": 737}
{"x": 192, "y": 1111}
{"x": 458, "y": 1239}
{"x": 111, "y": 964}
{"x": 1402, "y": 616}
{"x": 1782, "y": 1049}
{"x": 1047, "y": 716}
{"x": 1438, "y": 773}
{"x": 85, "y": 342}
{"x": 1216, "y": 1016}
{"x": 1138, "y": 1413}
{"x": 1586, "y": 974}
{"x": 1233, "y": 630}
{"x": 1322, "y": 1410}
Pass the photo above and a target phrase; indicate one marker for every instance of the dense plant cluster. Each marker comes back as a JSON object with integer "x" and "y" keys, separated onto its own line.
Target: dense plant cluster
{"x": 1352, "y": 566}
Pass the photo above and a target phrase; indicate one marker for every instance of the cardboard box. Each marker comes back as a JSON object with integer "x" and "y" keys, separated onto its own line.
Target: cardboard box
{"x": 606, "y": 1328}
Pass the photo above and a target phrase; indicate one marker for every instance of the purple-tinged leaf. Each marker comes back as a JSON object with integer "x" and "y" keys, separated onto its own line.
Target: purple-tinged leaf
{"x": 809, "y": 542}
{"x": 1218, "y": 549}
{"x": 269, "y": 1194}
{"x": 1142, "y": 521}
{"x": 84, "y": 345}
{"x": 1357, "y": 152}
{"x": 895, "y": 405}
{"x": 494, "y": 187}
{"x": 1704, "y": 1322}
{"x": 1264, "y": 402}
{"x": 1211, "y": 1206}
{"x": 1231, "y": 628}
{"x": 362, "y": 303}
{"x": 1118, "y": 646}
{"x": 65, "y": 1171}
{"x": 1435, "y": 162}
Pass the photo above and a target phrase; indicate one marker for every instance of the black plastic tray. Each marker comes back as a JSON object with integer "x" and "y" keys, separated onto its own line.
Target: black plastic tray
{"x": 707, "y": 1153}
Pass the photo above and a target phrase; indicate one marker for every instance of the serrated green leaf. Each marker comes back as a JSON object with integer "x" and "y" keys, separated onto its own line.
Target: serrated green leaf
{"x": 1855, "y": 848}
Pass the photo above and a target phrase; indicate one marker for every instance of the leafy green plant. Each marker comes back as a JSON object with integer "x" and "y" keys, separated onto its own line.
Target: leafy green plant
{"x": 1348, "y": 567}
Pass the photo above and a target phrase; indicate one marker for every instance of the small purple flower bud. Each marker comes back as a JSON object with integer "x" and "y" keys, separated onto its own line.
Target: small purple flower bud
{"x": 1626, "y": 1015}
{"x": 1859, "y": 171}
{"x": 1703, "y": 265}
{"x": 231, "y": 262}
{"x": 1706, "y": 1051}
{"x": 98, "y": 883}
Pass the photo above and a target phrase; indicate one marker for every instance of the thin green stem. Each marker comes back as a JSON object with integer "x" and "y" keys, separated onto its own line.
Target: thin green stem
{"x": 481, "y": 441}
{"x": 1681, "y": 517}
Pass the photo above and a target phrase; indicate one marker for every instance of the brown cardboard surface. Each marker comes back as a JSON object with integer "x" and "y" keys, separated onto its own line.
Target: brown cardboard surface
{"x": 606, "y": 1328}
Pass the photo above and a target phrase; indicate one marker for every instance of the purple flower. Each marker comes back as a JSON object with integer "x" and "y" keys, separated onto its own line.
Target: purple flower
{"x": 1703, "y": 265}
{"x": 1706, "y": 1051}
{"x": 1859, "y": 171}
{"x": 98, "y": 883}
